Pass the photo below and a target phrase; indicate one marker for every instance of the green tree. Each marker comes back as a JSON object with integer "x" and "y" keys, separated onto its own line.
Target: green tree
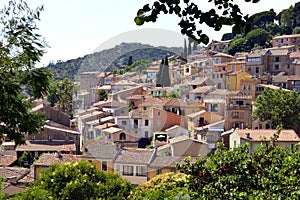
{"x": 195, "y": 44}
{"x": 162, "y": 187}
{"x": 185, "y": 51}
{"x": 296, "y": 30}
{"x": 279, "y": 107}
{"x": 271, "y": 172}
{"x": 21, "y": 47}
{"x": 258, "y": 36}
{"x": 189, "y": 48}
{"x": 190, "y": 15}
{"x": 165, "y": 75}
{"x": 61, "y": 93}
{"x": 102, "y": 95}
{"x": 129, "y": 61}
{"x": 159, "y": 74}
{"x": 79, "y": 180}
{"x": 275, "y": 29}
{"x": 228, "y": 36}
{"x": 261, "y": 19}
{"x": 286, "y": 19}
{"x": 238, "y": 45}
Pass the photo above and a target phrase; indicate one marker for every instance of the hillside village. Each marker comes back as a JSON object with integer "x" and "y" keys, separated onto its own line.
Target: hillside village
{"x": 140, "y": 131}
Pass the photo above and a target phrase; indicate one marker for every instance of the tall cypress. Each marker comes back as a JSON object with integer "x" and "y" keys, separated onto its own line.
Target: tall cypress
{"x": 129, "y": 61}
{"x": 165, "y": 76}
{"x": 185, "y": 49}
{"x": 190, "y": 48}
{"x": 158, "y": 75}
{"x": 195, "y": 45}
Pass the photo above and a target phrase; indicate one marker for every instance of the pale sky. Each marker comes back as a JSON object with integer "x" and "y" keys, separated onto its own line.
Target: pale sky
{"x": 74, "y": 28}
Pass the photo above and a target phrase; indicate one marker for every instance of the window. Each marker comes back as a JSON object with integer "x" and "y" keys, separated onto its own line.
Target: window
{"x": 158, "y": 113}
{"x": 141, "y": 170}
{"x": 145, "y": 108}
{"x": 135, "y": 123}
{"x": 288, "y": 66}
{"x": 233, "y": 68}
{"x": 187, "y": 70}
{"x": 201, "y": 121}
{"x": 249, "y": 87}
{"x": 146, "y": 122}
{"x": 158, "y": 171}
{"x": 146, "y": 134}
{"x": 239, "y": 102}
{"x": 158, "y": 124}
{"x": 215, "y": 108}
{"x": 276, "y": 67}
{"x": 241, "y": 67}
{"x": 234, "y": 144}
{"x": 122, "y": 136}
{"x": 124, "y": 123}
{"x": 276, "y": 59}
{"x": 256, "y": 69}
{"x": 117, "y": 168}
{"x": 104, "y": 166}
{"x": 235, "y": 115}
{"x": 128, "y": 170}
{"x": 249, "y": 69}
{"x": 109, "y": 136}
{"x": 244, "y": 87}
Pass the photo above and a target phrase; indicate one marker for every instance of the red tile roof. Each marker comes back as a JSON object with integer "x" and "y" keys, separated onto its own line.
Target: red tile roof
{"x": 258, "y": 134}
{"x": 7, "y": 160}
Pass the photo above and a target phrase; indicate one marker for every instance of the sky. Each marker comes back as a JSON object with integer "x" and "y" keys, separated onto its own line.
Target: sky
{"x": 74, "y": 28}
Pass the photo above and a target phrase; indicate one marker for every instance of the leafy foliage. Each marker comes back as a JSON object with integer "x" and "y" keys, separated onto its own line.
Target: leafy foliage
{"x": 79, "y": 180}
{"x": 61, "y": 93}
{"x": 279, "y": 107}
{"x": 162, "y": 187}
{"x": 261, "y": 19}
{"x": 225, "y": 13}
{"x": 238, "y": 45}
{"x": 138, "y": 66}
{"x": 20, "y": 48}
{"x": 270, "y": 172}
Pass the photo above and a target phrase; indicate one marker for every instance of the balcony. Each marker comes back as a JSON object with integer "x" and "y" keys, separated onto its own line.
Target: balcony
{"x": 239, "y": 107}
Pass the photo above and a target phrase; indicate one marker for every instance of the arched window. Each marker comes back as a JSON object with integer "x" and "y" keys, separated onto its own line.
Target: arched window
{"x": 122, "y": 136}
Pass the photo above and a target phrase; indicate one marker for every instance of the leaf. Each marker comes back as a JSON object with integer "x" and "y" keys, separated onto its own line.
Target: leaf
{"x": 139, "y": 21}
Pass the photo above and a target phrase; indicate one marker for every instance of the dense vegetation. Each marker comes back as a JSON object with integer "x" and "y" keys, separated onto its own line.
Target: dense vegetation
{"x": 78, "y": 180}
{"x": 264, "y": 26}
{"x": 111, "y": 59}
{"x": 21, "y": 47}
{"x": 278, "y": 107}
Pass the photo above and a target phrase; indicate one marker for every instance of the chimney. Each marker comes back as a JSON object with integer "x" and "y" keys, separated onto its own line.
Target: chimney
{"x": 248, "y": 135}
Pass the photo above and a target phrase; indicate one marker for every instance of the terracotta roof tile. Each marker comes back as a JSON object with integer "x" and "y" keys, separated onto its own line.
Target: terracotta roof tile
{"x": 7, "y": 160}
{"x": 134, "y": 156}
{"x": 101, "y": 151}
{"x": 29, "y": 146}
{"x": 8, "y": 172}
{"x": 257, "y": 134}
{"x": 50, "y": 159}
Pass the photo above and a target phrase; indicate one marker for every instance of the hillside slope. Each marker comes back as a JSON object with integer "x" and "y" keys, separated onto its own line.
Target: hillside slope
{"x": 110, "y": 59}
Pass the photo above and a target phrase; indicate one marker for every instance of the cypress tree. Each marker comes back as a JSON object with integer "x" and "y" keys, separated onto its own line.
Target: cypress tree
{"x": 158, "y": 75}
{"x": 190, "y": 48}
{"x": 185, "y": 49}
{"x": 195, "y": 46}
{"x": 166, "y": 61}
{"x": 129, "y": 61}
{"x": 165, "y": 76}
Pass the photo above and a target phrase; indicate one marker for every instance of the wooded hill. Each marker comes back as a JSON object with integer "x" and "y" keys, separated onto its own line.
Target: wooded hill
{"x": 111, "y": 59}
